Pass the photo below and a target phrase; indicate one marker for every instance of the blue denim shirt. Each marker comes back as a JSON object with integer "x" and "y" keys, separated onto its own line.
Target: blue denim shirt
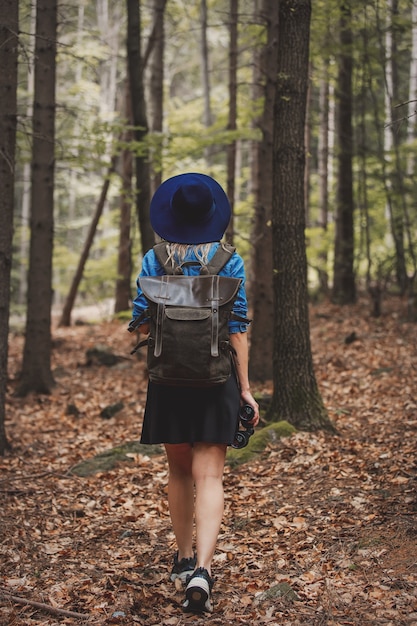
{"x": 234, "y": 268}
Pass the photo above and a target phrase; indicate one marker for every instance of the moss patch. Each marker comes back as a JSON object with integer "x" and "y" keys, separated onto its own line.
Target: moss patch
{"x": 109, "y": 459}
{"x": 258, "y": 442}
{"x": 280, "y": 590}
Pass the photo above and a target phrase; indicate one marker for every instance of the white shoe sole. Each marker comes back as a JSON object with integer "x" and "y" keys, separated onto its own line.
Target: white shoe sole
{"x": 197, "y": 596}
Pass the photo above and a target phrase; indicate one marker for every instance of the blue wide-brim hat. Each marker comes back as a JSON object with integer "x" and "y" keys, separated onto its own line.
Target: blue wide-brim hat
{"x": 190, "y": 208}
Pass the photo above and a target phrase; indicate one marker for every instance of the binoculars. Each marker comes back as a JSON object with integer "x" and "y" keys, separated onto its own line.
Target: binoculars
{"x": 241, "y": 439}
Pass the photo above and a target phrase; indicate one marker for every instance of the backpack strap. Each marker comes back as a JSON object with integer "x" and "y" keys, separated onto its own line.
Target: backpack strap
{"x": 222, "y": 255}
{"x": 215, "y": 301}
{"x": 160, "y": 250}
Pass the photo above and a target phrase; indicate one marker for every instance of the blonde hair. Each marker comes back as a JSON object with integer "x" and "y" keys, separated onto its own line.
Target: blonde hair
{"x": 178, "y": 252}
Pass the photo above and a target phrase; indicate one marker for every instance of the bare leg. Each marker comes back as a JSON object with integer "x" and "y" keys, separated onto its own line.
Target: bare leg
{"x": 207, "y": 470}
{"x": 181, "y": 496}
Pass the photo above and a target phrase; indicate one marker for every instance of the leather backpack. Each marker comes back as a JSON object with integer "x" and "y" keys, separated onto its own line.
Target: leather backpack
{"x": 188, "y": 342}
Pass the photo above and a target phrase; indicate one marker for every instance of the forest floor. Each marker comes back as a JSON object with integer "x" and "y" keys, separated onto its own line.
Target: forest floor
{"x": 318, "y": 530}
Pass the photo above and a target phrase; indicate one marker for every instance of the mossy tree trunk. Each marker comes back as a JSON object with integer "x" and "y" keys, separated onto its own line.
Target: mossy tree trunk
{"x": 296, "y": 397}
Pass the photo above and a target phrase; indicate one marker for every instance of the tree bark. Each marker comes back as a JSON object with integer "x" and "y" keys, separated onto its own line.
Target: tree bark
{"x": 323, "y": 170}
{"x": 72, "y": 294}
{"x": 25, "y": 202}
{"x": 400, "y": 222}
{"x": 296, "y": 397}
{"x": 344, "y": 288}
{"x": 205, "y": 73}
{"x": 36, "y": 369}
{"x": 9, "y": 42}
{"x": 157, "y": 91}
{"x": 412, "y": 92}
{"x": 205, "y": 64}
{"x": 261, "y": 289}
{"x": 136, "y": 80}
{"x": 124, "y": 258}
{"x": 232, "y": 125}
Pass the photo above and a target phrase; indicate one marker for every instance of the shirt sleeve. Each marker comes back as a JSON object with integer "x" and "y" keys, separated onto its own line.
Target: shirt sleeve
{"x": 150, "y": 267}
{"x": 236, "y": 269}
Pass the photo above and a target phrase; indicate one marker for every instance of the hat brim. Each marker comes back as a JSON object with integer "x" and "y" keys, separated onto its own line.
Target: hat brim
{"x": 165, "y": 222}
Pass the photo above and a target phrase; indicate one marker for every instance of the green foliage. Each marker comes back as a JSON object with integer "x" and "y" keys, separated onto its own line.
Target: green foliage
{"x": 91, "y": 121}
{"x": 319, "y": 245}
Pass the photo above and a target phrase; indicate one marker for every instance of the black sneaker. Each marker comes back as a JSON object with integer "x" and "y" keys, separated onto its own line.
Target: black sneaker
{"x": 183, "y": 569}
{"x": 198, "y": 592}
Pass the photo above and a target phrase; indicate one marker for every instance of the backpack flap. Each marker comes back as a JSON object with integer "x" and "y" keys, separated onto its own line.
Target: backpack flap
{"x": 190, "y": 291}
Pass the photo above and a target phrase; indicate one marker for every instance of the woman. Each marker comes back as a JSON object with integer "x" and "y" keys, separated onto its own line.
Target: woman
{"x": 191, "y": 213}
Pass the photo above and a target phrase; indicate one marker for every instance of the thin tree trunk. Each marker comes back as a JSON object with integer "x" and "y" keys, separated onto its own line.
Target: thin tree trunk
{"x": 323, "y": 171}
{"x": 373, "y": 282}
{"x": 72, "y": 186}
{"x": 394, "y": 209}
{"x": 124, "y": 259}
{"x": 412, "y": 92}
{"x": 136, "y": 76}
{"x": 72, "y": 294}
{"x": 24, "y": 231}
{"x": 232, "y": 125}
{"x": 9, "y": 42}
{"x": 307, "y": 143}
{"x": 36, "y": 369}
{"x": 157, "y": 92}
{"x": 108, "y": 22}
{"x": 344, "y": 288}
{"x": 205, "y": 72}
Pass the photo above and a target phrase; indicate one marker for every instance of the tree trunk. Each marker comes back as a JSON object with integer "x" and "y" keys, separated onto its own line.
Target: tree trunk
{"x": 136, "y": 80}
{"x": 157, "y": 91}
{"x": 36, "y": 368}
{"x": 390, "y": 143}
{"x": 205, "y": 72}
{"x": 123, "y": 298}
{"x": 72, "y": 294}
{"x": 307, "y": 144}
{"x": 323, "y": 171}
{"x": 296, "y": 397}
{"x": 231, "y": 126}
{"x": 261, "y": 289}
{"x": 397, "y": 208}
{"x": 124, "y": 259}
{"x": 412, "y": 92}
{"x": 344, "y": 289}
{"x": 25, "y": 203}
{"x": 9, "y": 43}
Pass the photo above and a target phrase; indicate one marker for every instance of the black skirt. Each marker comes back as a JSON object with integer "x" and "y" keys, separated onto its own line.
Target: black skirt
{"x": 191, "y": 414}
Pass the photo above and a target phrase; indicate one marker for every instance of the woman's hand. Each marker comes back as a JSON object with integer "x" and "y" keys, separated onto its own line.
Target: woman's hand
{"x": 239, "y": 342}
{"x": 247, "y": 398}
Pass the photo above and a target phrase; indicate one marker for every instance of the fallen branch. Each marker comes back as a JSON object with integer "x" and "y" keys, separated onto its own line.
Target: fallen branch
{"x": 42, "y": 606}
